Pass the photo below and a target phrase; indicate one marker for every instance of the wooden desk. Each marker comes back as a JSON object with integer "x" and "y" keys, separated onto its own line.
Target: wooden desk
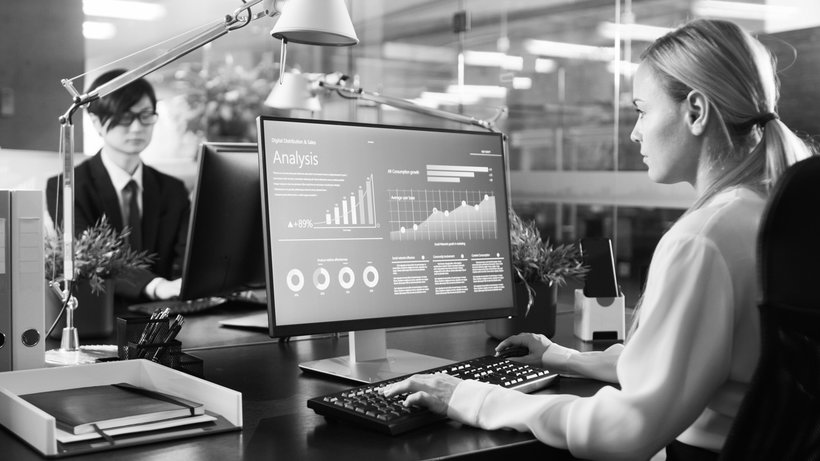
{"x": 278, "y": 424}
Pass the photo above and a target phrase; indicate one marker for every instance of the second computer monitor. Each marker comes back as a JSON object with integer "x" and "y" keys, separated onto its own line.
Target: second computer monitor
{"x": 224, "y": 253}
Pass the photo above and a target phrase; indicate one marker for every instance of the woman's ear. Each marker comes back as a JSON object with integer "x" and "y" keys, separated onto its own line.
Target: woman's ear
{"x": 697, "y": 109}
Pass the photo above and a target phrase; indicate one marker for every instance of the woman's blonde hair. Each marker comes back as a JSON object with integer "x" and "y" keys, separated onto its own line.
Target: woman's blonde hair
{"x": 737, "y": 75}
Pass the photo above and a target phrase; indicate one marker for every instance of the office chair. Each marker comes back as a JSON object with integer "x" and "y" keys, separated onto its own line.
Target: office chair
{"x": 779, "y": 419}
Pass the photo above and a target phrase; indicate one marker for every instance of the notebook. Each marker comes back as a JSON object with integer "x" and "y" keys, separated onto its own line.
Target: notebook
{"x": 164, "y": 425}
{"x": 91, "y": 409}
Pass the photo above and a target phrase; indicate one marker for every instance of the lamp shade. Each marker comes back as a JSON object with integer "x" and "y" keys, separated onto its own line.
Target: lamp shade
{"x": 315, "y": 22}
{"x": 295, "y": 92}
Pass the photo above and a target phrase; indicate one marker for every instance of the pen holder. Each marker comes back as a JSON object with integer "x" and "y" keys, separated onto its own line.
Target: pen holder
{"x": 133, "y": 343}
{"x": 599, "y": 318}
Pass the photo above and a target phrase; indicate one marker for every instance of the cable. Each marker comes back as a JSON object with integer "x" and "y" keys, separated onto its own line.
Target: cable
{"x": 62, "y": 311}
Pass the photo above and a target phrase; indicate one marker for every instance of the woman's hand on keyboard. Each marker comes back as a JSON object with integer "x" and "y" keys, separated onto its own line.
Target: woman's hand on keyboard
{"x": 430, "y": 391}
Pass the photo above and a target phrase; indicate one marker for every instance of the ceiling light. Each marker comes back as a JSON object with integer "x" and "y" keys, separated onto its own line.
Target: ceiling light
{"x": 93, "y": 30}
{"x": 418, "y": 53}
{"x": 569, "y": 50}
{"x": 124, "y": 9}
{"x": 545, "y": 66}
{"x": 633, "y": 32}
{"x": 625, "y": 68}
{"x": 522, "y": 83}
{"x": 484, "y": 91}
{"x": 739, "y": 10}
{"x": 435, "y": 99}
{"x": 493, "y": 59}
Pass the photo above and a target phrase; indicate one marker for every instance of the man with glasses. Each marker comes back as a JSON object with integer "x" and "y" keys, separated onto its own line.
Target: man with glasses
{"x": 115, "y": 183}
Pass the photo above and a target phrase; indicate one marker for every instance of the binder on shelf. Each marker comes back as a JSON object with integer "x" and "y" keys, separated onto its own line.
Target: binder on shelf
{"x": 5, "y": 281}
{"x": 27, "y": 279}
{"x": 22, "y": 274}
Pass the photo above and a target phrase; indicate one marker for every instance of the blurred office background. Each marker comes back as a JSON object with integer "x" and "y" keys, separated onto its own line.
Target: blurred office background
{"x": 561, "y": 68}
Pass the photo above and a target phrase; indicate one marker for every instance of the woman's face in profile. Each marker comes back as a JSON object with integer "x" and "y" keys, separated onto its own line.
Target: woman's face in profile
{"x": 667, "y": 145}
{"x": 134, "y": 137}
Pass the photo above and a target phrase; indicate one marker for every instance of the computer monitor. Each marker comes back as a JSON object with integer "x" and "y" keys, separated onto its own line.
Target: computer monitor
{"x": 224, "y": 248}
{"x": 368, "y": 227}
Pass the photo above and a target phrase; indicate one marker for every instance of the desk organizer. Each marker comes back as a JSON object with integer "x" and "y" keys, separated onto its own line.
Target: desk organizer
{"x": 38, "y": 428}
{"x": 129, "y": 331}
{"x": 599, "y": 318}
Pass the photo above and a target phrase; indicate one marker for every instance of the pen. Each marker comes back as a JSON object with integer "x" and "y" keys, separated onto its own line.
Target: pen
{"x": 152, "y": 329}
{"x": 173, "y": 330}
{"x": 146, "y": 331}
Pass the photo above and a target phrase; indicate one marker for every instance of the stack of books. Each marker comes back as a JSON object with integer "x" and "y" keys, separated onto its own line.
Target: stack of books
{"x": 106, "y": 411}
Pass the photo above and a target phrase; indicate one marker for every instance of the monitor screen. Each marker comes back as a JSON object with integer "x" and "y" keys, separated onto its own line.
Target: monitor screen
{"x": 370, "y": 226}
{"x": 224, "y": 253}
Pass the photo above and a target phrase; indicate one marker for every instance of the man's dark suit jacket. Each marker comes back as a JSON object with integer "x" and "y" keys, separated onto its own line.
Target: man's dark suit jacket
{"x": 165, "y": 215}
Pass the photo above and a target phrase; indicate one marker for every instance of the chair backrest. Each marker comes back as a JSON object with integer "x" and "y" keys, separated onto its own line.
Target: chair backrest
{"x": 779, "y": 418}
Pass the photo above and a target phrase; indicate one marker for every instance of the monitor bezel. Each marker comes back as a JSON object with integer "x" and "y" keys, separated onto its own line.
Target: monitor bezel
{"x": 205, "y": 151}
{"x": 279, "y": 331}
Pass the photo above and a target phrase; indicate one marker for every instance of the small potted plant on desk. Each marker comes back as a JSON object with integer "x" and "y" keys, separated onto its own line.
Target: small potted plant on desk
{"x": 540, "y": 268}
{"x": 100, "y": 255}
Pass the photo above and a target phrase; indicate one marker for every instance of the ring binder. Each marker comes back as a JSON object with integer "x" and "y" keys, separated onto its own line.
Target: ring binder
{"x": 22, "y": 300}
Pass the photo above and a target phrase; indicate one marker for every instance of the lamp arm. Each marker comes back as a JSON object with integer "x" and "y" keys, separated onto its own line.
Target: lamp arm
{"x": 360, "y": 93}
{"x": 66, "y": 151}
{"x": 232, "y": 22}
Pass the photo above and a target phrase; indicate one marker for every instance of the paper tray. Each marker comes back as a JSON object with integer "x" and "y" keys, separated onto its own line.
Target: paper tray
{"x": 37, "y": 428}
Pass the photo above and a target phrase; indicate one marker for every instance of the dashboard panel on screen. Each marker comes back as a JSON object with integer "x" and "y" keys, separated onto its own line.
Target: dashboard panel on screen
{"x": 373, "y": 226}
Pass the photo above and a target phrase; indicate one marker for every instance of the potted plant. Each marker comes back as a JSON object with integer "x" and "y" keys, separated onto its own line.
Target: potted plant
{"x": 540, "y": 268}
{"x": 100, "y": 255}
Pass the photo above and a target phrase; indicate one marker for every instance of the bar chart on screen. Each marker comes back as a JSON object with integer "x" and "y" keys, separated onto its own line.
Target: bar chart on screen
{"x": 456, "y": 174}
{"x": 355, "y": 209}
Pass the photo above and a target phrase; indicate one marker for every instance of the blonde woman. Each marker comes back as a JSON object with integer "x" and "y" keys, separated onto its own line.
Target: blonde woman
{"x": 706, "y": 96}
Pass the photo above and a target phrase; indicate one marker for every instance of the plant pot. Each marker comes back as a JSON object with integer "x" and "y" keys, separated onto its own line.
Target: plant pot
{"x": 540, "y": 318}
{"x": 94, "y": 316}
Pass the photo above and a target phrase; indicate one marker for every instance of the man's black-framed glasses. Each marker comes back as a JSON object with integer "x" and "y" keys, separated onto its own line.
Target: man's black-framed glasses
{"x": 145, "y": 117}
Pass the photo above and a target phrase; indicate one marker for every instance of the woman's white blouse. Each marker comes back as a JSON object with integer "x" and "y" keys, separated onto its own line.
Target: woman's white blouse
{"x": 683, "y": 372}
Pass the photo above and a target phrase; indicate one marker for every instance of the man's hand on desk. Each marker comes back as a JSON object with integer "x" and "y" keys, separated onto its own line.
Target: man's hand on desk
{"x": 162, "y": 289}
{"x": 429, "y": 391}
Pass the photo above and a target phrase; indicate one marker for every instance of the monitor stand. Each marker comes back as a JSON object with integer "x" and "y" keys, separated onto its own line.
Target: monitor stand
{"x": 370, "y": 360}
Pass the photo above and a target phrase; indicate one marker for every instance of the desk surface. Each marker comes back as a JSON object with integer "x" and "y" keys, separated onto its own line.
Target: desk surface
{"x": 278, "y": 424}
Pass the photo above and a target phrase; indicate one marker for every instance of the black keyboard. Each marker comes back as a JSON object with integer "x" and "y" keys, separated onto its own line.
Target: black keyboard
{"x": 366, "y": 406}
{"x": 178, "y": 306}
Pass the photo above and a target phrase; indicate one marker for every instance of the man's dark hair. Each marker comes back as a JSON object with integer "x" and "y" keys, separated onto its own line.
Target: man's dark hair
{"x": 112, "y": 106}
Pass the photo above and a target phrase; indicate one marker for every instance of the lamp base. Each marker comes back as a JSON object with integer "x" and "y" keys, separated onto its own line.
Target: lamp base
{"x": 70, "y": 340}
{"x": 83, "y": 355}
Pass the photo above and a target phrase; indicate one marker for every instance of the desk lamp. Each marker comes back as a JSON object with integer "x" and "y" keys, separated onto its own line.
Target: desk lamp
{"x": 296, "y": 91}
{"x": 299, "y": 91}
{"x": 314, "y": 22}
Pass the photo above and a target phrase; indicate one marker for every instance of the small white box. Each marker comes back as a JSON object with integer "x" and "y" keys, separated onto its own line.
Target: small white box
{"x": 37, "y": 428}
{"x": 599, "y": 318}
